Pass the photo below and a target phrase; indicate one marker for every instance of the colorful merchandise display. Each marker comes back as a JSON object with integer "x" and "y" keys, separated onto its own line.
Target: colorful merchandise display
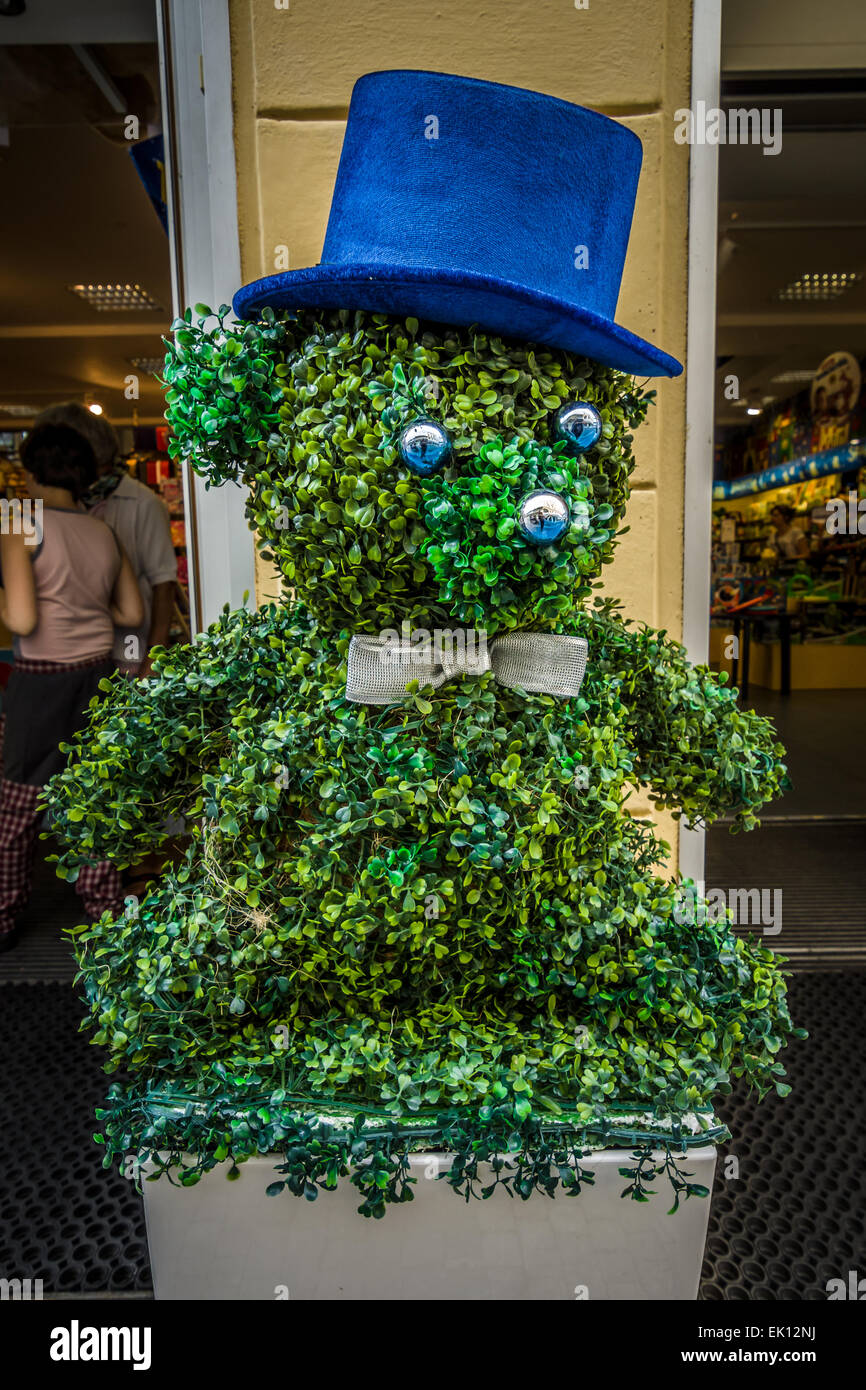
{"x": 800, "y": 472}
{"x": 824, "y": 588}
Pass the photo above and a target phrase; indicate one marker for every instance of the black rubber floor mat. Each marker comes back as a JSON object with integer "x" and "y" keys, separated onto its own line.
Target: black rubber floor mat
{"x": 63, "y": 1218}
{"x": 795, "y": 1217}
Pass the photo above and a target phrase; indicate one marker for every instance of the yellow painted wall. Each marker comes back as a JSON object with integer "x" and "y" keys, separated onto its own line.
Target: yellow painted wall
{"x": 293, "y": 71}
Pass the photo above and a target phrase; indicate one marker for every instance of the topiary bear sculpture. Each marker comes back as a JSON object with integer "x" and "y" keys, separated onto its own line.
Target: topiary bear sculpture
{"x": 437, "y": 906}
{"x": 413, "y": 910}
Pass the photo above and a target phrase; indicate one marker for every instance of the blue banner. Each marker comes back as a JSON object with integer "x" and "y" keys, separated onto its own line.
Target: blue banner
{"x": 797, "y": 471}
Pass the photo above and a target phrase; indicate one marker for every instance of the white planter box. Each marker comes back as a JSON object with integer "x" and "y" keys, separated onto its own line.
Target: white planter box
{"x": 229, "y": 1240}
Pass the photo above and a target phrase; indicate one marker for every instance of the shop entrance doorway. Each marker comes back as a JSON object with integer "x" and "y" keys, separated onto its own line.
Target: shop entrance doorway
{"x": 117, "y": 172}
{"x": 788, "y": 589}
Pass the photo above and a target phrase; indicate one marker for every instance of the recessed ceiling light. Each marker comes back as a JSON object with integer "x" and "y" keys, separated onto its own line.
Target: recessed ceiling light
{"x": 820, "y": 285}
{"x": 95, "y": 408}
{"x": 755, "y": 402}
{"x": 115, "y": 298}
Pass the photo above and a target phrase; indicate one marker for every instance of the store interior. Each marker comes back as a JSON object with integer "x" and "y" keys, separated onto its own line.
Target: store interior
{"x": 86, "y": 299}
{"x": 788, "y": 543}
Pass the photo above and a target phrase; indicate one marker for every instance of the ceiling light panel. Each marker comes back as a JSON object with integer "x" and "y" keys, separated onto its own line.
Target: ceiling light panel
{"x": 819, "y": 285}
{"x": 796, "y": 377}
{"x": 106, "y": 299}
{"x": 150, "y": 366}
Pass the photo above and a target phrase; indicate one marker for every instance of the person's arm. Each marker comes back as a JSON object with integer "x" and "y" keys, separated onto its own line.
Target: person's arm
{"x": 162, "y": 605}
{"x": 159, "y": 565}
{"x": 18, "y": 603}
{"x": 127, "y": 609}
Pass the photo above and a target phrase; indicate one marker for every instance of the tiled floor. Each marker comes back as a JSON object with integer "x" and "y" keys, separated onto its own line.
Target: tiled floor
{"x": 824, "y": 732}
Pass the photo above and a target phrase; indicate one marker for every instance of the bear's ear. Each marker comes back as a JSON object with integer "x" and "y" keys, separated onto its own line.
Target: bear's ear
{"x": 223, "y": 391}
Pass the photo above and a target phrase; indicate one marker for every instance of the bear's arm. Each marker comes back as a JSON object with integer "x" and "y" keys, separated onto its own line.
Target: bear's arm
{"x": 696, "y": 750}
{"x": 146, "y": 764}
{"x": 131, "y": 778}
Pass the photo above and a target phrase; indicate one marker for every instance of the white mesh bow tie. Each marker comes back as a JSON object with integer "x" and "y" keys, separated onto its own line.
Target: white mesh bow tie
{"x": 548, "y": 663}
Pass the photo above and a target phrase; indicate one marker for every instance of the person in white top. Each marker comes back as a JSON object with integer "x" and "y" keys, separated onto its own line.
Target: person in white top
{"x": 140, "y": 521}
{"x": 788, "y": 539}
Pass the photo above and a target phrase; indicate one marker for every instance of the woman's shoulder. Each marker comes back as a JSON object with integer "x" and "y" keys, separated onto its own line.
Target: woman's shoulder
{"x": 80, "y": 526}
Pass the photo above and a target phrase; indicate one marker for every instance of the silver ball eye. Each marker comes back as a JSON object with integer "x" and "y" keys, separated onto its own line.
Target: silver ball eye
{"x": 543, "y": 516}
{"x": 577, "y": 423}
{"x": 424, "y": 446}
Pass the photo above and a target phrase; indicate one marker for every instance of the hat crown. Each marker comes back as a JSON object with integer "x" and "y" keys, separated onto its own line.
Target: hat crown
{"x": 443, "y": 172}
{"x": 477, "y": 205}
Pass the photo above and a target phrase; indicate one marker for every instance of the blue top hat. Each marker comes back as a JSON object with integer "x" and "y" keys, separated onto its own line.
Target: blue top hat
{"x": 468, "y": 202}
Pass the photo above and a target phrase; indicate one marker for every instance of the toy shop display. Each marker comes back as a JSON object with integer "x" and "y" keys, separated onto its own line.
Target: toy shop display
{"x": 824, "y": 587}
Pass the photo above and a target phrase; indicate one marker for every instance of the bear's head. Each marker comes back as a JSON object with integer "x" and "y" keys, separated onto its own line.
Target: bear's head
{"x": 404, "y": 471}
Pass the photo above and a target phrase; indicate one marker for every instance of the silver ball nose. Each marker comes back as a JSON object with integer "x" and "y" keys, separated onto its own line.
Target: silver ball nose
{"x": 543, "y": 516}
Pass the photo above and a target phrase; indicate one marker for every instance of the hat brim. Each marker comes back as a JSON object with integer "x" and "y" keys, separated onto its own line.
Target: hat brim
{"x": 458, "y": 297}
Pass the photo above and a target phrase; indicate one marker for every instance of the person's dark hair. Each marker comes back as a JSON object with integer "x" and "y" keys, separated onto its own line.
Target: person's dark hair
{"x": 787, "y": 512}
{"x": 59, "y": 456}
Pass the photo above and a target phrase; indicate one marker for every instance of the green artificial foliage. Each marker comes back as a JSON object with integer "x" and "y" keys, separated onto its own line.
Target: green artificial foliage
{"x": 428, "y": 924}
